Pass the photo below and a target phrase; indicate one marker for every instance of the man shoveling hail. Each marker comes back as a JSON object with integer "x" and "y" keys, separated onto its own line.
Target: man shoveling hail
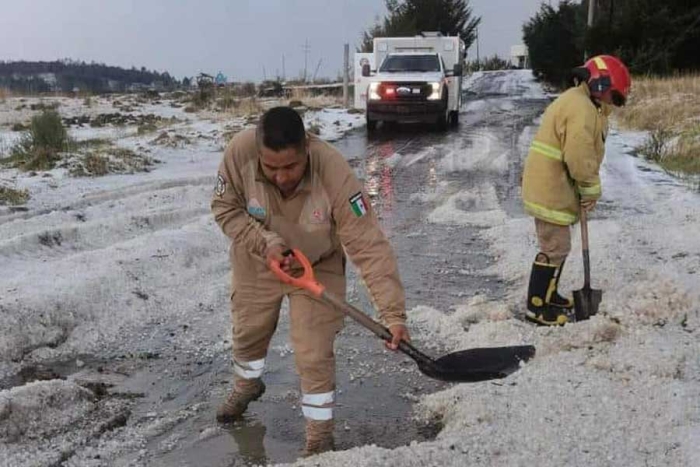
{"x": 561, "y": 180}
{"x": 279, "y": 187}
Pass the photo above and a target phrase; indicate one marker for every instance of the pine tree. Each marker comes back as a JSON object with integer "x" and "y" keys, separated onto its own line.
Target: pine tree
{"x": 554, "y": 38}
{"x": 411, "y": 17}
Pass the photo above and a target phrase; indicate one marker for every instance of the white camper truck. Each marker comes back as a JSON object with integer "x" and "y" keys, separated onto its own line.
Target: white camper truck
{"x": 413, "y": 79}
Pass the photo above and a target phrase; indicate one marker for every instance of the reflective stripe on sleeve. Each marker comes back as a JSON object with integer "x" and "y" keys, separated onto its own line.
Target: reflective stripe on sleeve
{"x": 590, "y": 190}
{"x": 546, "y": 150}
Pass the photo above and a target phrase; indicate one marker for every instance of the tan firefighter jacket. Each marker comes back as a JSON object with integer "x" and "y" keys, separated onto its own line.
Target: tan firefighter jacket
{"x": 562, "y": 164}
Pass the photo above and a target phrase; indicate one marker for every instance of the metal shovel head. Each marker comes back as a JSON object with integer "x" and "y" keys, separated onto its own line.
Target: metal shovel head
{"x": 482, "y": 364}
{"x": 586, "y": 302}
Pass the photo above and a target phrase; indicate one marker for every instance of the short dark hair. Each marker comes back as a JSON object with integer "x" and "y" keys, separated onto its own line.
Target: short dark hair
{"x": 280, "y": 128}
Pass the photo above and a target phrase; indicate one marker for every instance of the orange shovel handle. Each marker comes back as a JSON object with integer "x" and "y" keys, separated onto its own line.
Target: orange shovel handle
{"x": 307, "y": 281}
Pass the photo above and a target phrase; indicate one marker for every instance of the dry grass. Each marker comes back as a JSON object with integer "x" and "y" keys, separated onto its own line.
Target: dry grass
{"x": 12, "y": 196}
{"x": 108, "y": 160}
{"x": 672, "y": 103}
{"x": 669, "y": 108}
{"x": 248, "y": 107}
{"x": 315, "y": 102}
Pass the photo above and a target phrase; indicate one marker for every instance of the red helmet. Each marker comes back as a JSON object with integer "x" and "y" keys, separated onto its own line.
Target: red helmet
{"x": 609, "y": 73}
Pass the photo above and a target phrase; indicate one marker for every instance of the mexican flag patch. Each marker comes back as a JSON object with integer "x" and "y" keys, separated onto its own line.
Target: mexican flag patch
{"x": 358, "y": 205}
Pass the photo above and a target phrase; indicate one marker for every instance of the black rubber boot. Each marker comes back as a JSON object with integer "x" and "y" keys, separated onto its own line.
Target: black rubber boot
{"x": 542, "y": 286}
{"x": 556, "y": 299}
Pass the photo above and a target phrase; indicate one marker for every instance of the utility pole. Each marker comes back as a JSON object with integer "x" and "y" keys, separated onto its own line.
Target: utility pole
{"x": 346, "y": 73}
{"x": 478, "y": 62}
{"x": 284, "y": 75}
{"x": 306, "y": 49}
{"x": 313, "y": 79}
{"x": 591, "y": 16}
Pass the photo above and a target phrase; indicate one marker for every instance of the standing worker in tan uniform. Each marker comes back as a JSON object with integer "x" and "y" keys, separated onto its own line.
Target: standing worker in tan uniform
{"x": 279, "y": 187}
{"x": 561, "y": 175}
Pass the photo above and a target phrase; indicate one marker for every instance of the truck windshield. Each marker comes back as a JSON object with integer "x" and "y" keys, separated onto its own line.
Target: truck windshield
{"x": 399, "y": 63}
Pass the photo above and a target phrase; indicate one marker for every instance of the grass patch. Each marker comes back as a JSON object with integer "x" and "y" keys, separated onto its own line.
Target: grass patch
{"x": 683, "y": 154}
{"x": 669, "y": 109}
{"x": 308, "y": 99}
{"x": 89, "y": 143}
{"x": 245, "y": 107}
{"x": 43, "y": 106}
{"x": 676, "y": 154}
{"x": 108, "y": 160}
{"x": 39, "y": 148}
{"x": 12, "y": 196}
{"x": 93, "y": 165}
{"x": 146, "y": 128}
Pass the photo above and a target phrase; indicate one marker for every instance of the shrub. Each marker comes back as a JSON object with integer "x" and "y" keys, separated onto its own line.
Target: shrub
{"x": 47, "y": 131}
{"x": 39, "y": 148}
{"x": 12, "y": 196}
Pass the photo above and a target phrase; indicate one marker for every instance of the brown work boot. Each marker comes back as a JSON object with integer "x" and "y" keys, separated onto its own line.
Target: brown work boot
{"x": 319, "y": 437}
{"x": 243, "y": 393}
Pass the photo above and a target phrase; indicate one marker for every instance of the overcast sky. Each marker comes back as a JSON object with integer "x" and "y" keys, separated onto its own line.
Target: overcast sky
{"x": 243, "y": 39}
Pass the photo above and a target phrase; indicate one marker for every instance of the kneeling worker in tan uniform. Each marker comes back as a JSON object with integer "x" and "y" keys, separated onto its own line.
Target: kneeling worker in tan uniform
{"x": 279, "y": 187}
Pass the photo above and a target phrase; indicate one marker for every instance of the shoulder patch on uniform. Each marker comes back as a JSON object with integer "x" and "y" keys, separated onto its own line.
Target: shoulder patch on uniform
{"x": 220, "y": 188}
{"x": 256, "y": 209}
{"x": 358, "y": 204}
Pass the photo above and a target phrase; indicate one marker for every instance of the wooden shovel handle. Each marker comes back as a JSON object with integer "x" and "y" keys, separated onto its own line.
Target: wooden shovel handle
{"x": 584, "y": 247}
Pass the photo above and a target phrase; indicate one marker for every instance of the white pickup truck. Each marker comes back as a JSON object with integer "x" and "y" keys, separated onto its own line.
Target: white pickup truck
{"x": 412, "y": 79}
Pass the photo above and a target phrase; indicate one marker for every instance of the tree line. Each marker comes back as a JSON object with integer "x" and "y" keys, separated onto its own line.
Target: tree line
{"x": 650, "y": 36}
{"x": 68, "y": 75}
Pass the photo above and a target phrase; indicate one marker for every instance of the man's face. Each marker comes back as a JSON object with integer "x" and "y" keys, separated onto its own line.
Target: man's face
{"x": 607, "y": 97}
{"x": 284, "y": 168}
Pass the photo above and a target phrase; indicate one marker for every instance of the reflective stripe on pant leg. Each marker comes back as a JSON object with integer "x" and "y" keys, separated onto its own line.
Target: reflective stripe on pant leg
{"x": 249, "y": 370}
{"x": 318, "y": 406}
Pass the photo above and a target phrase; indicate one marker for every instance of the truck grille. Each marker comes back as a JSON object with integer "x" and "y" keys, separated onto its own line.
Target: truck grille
{"x": 405, "y": 91}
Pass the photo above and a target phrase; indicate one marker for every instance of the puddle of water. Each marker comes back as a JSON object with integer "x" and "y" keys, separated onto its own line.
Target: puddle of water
{"x": 375, "y": 393}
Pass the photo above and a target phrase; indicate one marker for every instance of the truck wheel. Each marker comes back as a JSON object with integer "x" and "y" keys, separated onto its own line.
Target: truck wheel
{"x": 444, "y": 118}
{"x": 454, "y": 118}
{"x": 371, "y": 124}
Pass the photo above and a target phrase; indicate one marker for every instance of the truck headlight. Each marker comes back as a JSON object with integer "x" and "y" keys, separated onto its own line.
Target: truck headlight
{"x": 436, "y": 94}
{"x": 374, "y": 92}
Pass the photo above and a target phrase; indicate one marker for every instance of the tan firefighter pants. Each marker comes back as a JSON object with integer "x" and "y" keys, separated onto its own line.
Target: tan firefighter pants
{"x": 255, "y": 307}
{"x": 554, "y": 240}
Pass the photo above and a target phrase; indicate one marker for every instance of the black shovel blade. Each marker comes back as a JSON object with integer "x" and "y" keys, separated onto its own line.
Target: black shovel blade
{"x": 586, "y": 302}
{"x": 482, "y": 364}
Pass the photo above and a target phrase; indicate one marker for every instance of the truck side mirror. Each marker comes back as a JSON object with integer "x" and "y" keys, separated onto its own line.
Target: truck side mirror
{"x": 365, "y": 70}
{"x": 457, "y": 71}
